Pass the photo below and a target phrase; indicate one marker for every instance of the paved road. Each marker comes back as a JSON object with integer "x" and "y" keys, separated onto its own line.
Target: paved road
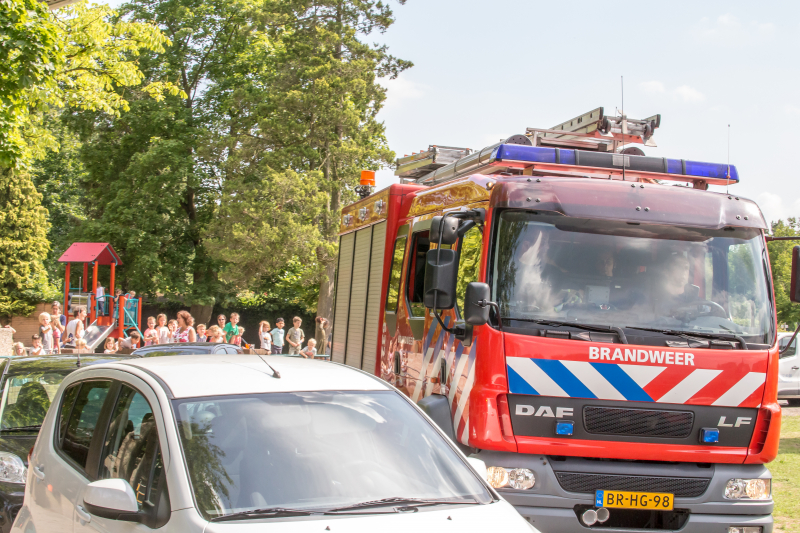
{"x": 789, "y": 411}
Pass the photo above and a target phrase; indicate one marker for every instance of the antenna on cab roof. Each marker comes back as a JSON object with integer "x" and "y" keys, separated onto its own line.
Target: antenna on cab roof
{"x": 275, "y": 373}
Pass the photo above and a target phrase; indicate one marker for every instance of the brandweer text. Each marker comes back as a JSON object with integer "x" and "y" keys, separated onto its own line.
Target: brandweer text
{"x": 642, "y": 356}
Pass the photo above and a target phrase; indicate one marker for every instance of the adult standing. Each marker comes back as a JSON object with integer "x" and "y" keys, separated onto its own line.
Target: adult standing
{"x": 221, "y": 322}
{"x": 185, "y": 331}
{"x": 75, "y": 327}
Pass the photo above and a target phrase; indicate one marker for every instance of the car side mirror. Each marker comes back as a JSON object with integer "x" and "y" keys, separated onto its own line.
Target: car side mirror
{"x": 441, "y": 273}
{"x": 113, "y": 499}
{"x": 794, "y": 293}
{"x": 479, "y": 467}
{"x": 476, "y": 304}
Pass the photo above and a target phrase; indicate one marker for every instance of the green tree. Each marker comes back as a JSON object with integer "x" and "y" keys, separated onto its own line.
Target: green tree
{"x": 780, "y": 258}
{"x": 306, "y": 98}
{"x": 73, "y": 58}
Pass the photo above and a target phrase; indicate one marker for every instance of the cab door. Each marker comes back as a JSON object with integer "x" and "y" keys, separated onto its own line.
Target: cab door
{"x": 789, "y": 373}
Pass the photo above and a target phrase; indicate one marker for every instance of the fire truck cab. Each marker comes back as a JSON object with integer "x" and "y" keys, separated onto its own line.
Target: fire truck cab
{"x": 592, "y": 323}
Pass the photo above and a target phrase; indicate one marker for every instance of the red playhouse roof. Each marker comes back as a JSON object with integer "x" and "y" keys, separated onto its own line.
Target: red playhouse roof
{"x": 87, "y": 252}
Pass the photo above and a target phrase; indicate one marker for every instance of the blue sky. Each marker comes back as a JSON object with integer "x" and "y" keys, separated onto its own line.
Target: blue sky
{"x": 487, "y": 69}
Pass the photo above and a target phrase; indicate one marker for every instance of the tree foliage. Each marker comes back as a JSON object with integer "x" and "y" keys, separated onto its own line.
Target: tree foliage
{"x": 780, "y": 258}
{"x": 74, "y": 58}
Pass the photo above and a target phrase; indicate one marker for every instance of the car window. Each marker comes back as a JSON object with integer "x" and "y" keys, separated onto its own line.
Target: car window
{"x": 469, "y": 263}
{"x": 26, "y": 397}
{"x": 131, "y": 448}
{"x": 394, "y": 277}
{"x": 232, "y": 350}
{"x": 82, "y": 421}
{"x": 792, "y": 349}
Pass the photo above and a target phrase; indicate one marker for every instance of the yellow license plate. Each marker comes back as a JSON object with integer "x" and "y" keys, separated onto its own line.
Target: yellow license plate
{"x": 634, "y": 500}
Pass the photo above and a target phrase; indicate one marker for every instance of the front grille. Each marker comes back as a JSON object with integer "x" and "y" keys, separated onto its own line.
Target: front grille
{"x": 682, "y": 487}
{"x": 637, "y": 422}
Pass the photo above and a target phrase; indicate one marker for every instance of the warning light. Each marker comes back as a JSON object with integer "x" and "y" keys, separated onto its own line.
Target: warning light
{"x": 368, "y": 178}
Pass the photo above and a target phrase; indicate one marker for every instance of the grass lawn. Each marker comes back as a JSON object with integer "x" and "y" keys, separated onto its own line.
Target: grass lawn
{"x": 786, "y": 476}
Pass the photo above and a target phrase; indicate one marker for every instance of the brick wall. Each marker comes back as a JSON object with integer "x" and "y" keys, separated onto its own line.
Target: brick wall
{"x": 27, "y": 326}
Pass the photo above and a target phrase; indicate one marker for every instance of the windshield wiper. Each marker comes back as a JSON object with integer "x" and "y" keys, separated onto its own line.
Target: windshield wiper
{"x": 35, "y": 427}
{"x": 411, "y": 502}
{"x": 690, "y": 334}
{"x": 272, "y": 512}
{"x": 587, "y": 327}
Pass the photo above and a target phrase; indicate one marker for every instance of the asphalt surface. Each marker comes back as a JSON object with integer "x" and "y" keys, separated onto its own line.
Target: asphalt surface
{"x": 789, "y": 411}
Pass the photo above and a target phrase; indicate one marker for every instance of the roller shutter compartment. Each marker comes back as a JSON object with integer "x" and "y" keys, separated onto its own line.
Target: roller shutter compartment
{"x": 343, "y": 283}
{"x": 372, "y": 332}
{"x": 358, "y": 298}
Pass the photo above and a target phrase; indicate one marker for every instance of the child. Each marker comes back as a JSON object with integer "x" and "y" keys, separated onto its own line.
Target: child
{"x": 172, "y": 326}
{"x": 130, "y": 343}
{"x": 46, "y": 332}
{"x": 295, "y": 336}
{"x": 215, "y": 334}
{"x": 111, "y": 346}
{"x": 310, "y": 351}
{"x": 201, "y": 333}
{"x": 237, "y": 339}
{"x": 163, "y": 330}
{"x": 231, "y": 328}
{"x": 151, "y": 333}
{"x": 277, "y": 337}
{"x": 19, "y": 349}
{"x": 264, "y": 336}
{"x": 37, "y": 348}
{"x": 80, "y": 346}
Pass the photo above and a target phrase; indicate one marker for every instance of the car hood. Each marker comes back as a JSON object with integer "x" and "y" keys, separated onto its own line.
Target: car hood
{"x": 498, "y": 516}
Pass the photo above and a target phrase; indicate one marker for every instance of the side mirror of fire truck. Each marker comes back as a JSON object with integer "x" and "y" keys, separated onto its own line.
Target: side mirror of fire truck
{"x": 476, "y": 304}
{"x": 441, "y": 273}
{"x": 794, "y": 293}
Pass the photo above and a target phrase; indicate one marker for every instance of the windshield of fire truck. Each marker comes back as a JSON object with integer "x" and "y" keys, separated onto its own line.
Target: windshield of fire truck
{"x": 621, "y": 274}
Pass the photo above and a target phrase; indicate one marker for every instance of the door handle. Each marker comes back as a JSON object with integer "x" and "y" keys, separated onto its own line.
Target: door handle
{"x": 82, "y": 514}
{"x": 796, "y": 368}
{"x": 37, "y": 471}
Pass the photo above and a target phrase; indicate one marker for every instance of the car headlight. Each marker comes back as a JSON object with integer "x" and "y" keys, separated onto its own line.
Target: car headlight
{"x": 515, "y": 478}
{"x": 752, "y": 489}
{"x": 12, "y": 469}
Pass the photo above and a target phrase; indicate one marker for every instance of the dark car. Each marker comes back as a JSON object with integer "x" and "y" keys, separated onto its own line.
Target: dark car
{"x": 28, "y": 385}
{"x": 187, "y": 348}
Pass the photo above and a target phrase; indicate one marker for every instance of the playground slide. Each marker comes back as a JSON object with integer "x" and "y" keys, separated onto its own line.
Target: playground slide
{"x": 95, "y": 335}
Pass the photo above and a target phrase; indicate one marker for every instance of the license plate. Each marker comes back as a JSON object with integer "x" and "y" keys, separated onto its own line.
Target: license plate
{"x": 634, "y": 500}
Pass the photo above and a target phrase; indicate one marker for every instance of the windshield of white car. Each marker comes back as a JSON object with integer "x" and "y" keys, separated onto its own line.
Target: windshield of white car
{"x": 316, "y": 451}
{"x": 618, "y": 274}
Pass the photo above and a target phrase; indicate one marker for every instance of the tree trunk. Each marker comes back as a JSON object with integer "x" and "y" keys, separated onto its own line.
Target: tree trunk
{"x": 325, "y": 307}
{"x": 201, "y": 313}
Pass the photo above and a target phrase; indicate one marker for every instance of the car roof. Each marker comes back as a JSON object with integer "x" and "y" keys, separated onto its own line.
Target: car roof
{"x": 189, "y": 376}
{"x": 18, "y": 365}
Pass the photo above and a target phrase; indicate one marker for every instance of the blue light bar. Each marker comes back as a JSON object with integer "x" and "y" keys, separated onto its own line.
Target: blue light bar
{"x": 709, "y": 435}
{"x": 565, "y": 428}
{"x": 660, "y": 165}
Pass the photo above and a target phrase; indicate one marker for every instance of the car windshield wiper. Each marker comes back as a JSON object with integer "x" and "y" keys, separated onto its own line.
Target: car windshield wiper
{"x": 587, "y": 327}
{"x": 693, "y": 335}
{"x": 35, "y": 427}
{"x": 271, "y": 512}
{"x": 411, "y": 502}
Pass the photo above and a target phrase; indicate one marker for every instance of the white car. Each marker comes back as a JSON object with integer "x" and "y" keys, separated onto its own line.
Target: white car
{"x": 240, "y": 443}
{"x": 789, "y": 370}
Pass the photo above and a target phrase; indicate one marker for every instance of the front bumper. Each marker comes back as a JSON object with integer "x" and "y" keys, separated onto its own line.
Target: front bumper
{"x": 551, "y": 509}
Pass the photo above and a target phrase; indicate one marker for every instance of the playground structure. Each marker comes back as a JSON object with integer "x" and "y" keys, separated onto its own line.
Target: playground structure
{"x": 108, "y": 316}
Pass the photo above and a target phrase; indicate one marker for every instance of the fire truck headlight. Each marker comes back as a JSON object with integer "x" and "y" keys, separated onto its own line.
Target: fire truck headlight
{"x": 752, "y": 489}
{"x": 514, "y": 478}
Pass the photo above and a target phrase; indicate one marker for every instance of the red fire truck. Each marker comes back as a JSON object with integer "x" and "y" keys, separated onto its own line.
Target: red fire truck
{"x": 594, "y": 324}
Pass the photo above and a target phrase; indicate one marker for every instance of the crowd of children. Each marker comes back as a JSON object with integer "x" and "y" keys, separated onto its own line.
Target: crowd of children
{"x": 55, "y": 331}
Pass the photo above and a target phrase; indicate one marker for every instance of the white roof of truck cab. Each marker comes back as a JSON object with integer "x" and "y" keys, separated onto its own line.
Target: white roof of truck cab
{"x": 189, "y": 376}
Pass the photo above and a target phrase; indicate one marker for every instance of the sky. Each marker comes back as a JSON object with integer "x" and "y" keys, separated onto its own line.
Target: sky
{"x": 484, "y": 70}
